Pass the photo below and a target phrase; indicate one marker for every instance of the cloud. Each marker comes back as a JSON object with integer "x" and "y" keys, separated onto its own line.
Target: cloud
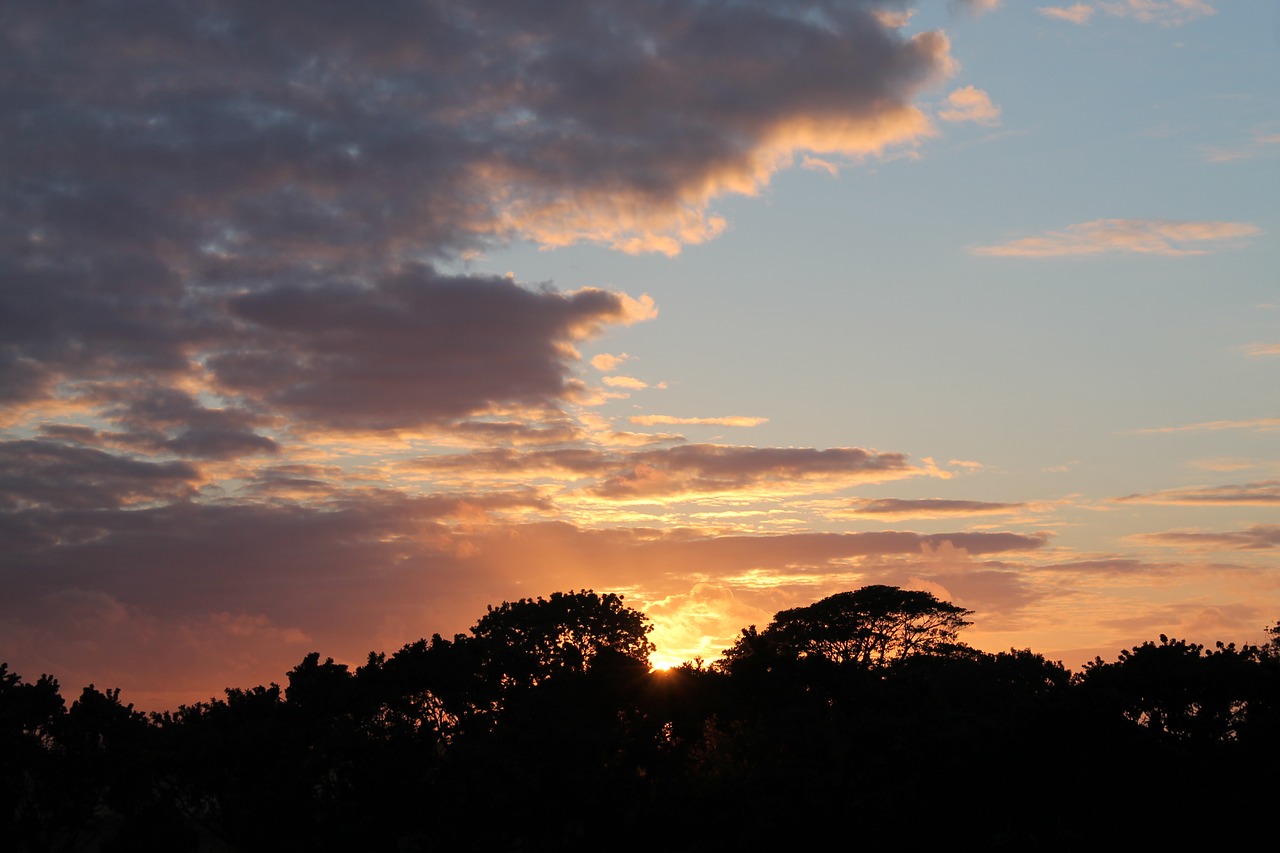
{"x": 970, "y": 104}
{"x": 1261, "y": 144}
{"x": 1078, "y": 13}
{"x": 817, "y": 164}
{"x": 1139, "y": 236}
{"x": 706, "y": 469}
{"x": 1260, "y": 537}
{"x": 702, "y": 622}
{"x": 684, "y": 471}
{"x": 1261, "y": 493}
{"x": 1170, "y": 13}
{"x": 418, "y": 348}
{"x": 248, "y": 132}
{"x": 1214, "y": 426}
{"x": 606, "y": 363}
{"x": 1263, "y": 349}
{"x": 1224, "y": 463}
{"x": 497, "y": 433}
{"x": 663, "y": 420}
{"x": 186, "y": 598}
{"x": 628, "y": 382}
{"x": 927, "y": 508}
{"x": 50, "y": 474}
{"x": 979, "y": 7}
{"x": 245, "y": 206}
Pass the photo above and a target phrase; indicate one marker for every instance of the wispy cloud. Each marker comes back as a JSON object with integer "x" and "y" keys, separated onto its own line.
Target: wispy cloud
{"x": 631, "y": 383}
{"x": 927, "y": 508}
{"x": 1260, "y": 537}
{"x": 1260, "y": 144}
{"x": 980, "y": 7}
{"x": 669, "y": 420}
{"x": 818, "y": 164}
{"x": 1169, "y": 13}
{"x": 970, "y": 104}
{"x": 1137, "y": 236}
{"x": 1079, "y": 13}
{"x": 689, "y": 470}
{"x": 1261, "y": 493}
{"x": 1225, "y": 463}
{"x": 1214, "y": 426}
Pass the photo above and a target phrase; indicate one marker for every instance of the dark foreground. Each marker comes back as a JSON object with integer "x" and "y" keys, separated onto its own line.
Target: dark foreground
{"x": 545, "y": 730}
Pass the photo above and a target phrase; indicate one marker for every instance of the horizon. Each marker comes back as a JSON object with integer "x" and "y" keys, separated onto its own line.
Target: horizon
{"x": 325, "y": 328}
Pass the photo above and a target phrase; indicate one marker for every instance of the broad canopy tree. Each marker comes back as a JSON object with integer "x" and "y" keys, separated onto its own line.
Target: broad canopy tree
{"x": 873, "y": 627}
{"x": 524, "y": 642}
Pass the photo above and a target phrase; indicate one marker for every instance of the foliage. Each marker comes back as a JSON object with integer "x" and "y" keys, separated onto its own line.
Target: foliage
{"x": 873, "y": 627}
{"x": 524, "y": 642}
{"x": 1180, "y": 689}
{"x": 544, "y": 729}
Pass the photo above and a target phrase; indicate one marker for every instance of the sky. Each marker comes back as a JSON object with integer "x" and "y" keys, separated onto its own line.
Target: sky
{"x": 323, "y": 326}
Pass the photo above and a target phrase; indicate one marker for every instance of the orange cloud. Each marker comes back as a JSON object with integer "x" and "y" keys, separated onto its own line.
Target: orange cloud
{"x": 606, "y": 363}
{"x": 669, "y": 420}
{"x": 1139, "y": 236}
{"x": 970, "y": 104}
{"x": 628, "y": 382}
{"x": 1253, "y": 423}
{"x": 702, "y": 622}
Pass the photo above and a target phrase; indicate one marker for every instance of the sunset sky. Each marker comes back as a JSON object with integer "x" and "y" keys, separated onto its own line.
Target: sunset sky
{"x": 324, "y": 325}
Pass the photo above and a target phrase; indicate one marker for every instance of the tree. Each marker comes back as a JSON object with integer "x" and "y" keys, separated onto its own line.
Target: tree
{"x": 524, "y": 642}
{"x": 1180, "y": 689}
{"x": 872, "y": 626}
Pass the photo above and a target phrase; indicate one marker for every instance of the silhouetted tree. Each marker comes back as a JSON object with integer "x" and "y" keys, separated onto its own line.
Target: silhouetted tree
{"x": 872, "y": 626}
{"x": 1178, "y": 688}
{"x": 524, "y": 642}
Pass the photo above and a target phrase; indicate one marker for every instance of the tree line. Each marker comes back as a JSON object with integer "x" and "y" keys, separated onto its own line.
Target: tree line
{"x": 860, "y": 717}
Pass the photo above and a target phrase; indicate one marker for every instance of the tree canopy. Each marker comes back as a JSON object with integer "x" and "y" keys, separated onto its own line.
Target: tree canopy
{"x": 872, "y": 626}
{"x": 523, "y": 642}
{"x": 545, "y": 729}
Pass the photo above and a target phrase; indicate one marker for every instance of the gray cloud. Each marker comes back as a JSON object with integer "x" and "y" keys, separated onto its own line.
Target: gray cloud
{"x": 929, "y": 508}
{"x": 709, "y": 468}
{"x": 687, "y": 469}
{"x": 1261, "y": 493}
{"x": 223, "y": 227}
{"x": 251, "y": 189}
{"x": 1259, "y": 537}
{"x": 35, "y": 473}
{"x": 415, "y": 349}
